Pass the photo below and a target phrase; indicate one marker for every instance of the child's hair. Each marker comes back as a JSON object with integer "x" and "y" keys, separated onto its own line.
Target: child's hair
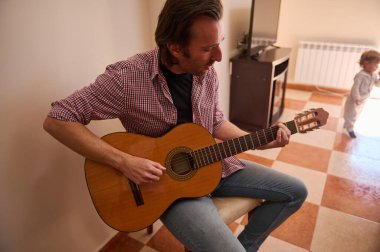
{"x": 369, "y": 56}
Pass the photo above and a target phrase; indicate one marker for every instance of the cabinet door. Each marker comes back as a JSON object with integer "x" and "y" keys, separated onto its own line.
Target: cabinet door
{"x": 250, "y": 94}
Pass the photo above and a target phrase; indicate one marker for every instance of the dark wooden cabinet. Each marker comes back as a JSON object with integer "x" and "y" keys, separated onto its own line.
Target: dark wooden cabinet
{"x": 258, "y": 89}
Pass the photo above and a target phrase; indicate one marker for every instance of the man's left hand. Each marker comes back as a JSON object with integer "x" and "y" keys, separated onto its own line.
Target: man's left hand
{"x": 282, "y": 138}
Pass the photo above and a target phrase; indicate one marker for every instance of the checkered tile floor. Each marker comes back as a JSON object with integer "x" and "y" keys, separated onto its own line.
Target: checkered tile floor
{"x": 342, "y": 211}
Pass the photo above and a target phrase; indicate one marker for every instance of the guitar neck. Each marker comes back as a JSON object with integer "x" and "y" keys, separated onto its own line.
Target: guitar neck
{"x": 217, "y": 152}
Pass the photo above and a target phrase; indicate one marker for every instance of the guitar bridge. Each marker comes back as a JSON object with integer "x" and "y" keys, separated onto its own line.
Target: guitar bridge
{"x": 136, "y": 193}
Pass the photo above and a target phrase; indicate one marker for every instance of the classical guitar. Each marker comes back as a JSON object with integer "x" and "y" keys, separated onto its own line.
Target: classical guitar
{"x": 193, "y": 168}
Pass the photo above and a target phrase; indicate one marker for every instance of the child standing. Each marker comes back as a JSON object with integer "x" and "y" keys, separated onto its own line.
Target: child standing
{"x": 361, "y": 89}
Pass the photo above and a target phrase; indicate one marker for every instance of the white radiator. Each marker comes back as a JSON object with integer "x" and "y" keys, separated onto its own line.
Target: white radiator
{"x": 328, "y": 64}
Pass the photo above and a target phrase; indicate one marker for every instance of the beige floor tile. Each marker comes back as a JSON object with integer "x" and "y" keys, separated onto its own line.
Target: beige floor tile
{"x": 340, "y": 125}
{"x": 304, "y": 155}
{"x": 288, "y": 115}
{"x": 294, "y": 104}
{"x": 356, "y": 168}
{"x": 332, "y": 124}
{"x": 273, "y": 244}
{"x": 269, "y": 153}
{"x": 339, "y": 232}
{"x": 318, "y": 137}
{"x": 327, "y": 98}
{"x": 256, "y": 159}
{"x": 298, "y": 94}
{"x": 314, "y": 180}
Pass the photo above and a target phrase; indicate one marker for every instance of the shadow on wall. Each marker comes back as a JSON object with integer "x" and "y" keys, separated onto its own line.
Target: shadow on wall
{"x": 45, "y": 200}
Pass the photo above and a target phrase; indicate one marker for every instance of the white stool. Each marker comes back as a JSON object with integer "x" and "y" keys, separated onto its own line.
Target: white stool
{"x": 232, "y": 208}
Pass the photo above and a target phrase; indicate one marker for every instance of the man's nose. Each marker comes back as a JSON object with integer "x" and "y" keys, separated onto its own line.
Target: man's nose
{"x": 217, "y": 54}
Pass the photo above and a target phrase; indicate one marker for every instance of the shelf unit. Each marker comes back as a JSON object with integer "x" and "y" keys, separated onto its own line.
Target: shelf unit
{"x": 258, "y": 88}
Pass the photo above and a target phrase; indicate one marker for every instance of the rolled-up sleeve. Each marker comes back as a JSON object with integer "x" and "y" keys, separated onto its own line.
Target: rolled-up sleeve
{"x": 103, "y": 99}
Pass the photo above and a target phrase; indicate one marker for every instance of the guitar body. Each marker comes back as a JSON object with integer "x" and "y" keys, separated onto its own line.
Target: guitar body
{"x": 112, "y": 193}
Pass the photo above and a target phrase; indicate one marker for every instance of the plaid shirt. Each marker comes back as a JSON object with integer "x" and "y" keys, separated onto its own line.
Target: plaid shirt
{"x": 136, "y": 92}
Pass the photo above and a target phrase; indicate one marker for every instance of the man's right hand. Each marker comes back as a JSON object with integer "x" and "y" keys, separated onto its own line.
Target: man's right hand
{"x": 141, "y": 170}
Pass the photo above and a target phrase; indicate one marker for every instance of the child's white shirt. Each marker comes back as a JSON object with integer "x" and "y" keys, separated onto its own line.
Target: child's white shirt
{"x": 363, "y": 84}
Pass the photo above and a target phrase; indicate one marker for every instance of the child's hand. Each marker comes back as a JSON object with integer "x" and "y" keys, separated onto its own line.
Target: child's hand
{"x": 358, "y": 102}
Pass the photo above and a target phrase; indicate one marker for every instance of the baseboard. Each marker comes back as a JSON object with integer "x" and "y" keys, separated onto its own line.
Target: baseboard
{"x": 312, "y": 88}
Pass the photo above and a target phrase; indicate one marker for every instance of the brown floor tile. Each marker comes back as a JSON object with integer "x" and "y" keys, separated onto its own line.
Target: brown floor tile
{"x": 344, "y": 143}
{"x": 256, "y": 159}
{"x": 122, "y": 242}
{"x": 294, "y": 104}
{"x": 163, "y": 240}
{"x": 336, "y": 231}
{"x": 326, "y": 98}
{"x": 299, "y": 228}
{"x": 306, "y": 156}
{"x": 331, "y": 124}
{"x": 361, "y": 146}
{"x": 352, "y": 198}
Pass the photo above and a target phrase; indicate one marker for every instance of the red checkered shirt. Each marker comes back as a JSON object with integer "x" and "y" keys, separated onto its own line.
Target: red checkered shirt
{"x": 136, "y": 92}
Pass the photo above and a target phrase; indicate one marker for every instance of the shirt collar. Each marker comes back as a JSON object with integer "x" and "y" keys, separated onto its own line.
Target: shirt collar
{"x": 156, "y": 67}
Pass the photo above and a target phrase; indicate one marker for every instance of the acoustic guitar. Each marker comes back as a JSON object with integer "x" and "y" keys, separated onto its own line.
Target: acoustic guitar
{"x": 193, "y": 168}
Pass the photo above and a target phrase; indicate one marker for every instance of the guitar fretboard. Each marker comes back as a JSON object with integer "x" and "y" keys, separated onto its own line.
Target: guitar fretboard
{"x": 217, "y": 152}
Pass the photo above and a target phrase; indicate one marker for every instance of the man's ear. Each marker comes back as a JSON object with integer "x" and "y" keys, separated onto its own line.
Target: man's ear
{"x": 174, "y": 49}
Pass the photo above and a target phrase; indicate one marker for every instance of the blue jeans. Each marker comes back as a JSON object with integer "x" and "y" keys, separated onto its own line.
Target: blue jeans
{"x": 196, "y": 223}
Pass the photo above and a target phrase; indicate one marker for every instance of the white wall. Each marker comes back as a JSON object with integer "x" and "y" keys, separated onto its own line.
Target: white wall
{"x": 49, "y": 48}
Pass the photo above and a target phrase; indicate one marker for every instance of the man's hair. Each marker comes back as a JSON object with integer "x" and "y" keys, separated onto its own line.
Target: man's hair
{"x": 369, "y": 56}
{"x": 175, "y": 20}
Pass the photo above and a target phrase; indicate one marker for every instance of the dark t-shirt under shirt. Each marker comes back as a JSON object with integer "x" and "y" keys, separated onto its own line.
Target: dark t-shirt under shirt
{"x": 180, "y": 88}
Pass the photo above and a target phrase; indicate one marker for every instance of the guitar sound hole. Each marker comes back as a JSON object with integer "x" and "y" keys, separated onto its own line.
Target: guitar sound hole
{"x": 179, "y": 164}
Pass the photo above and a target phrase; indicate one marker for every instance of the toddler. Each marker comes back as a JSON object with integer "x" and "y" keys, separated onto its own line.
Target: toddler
{"x": 361, "y": 89}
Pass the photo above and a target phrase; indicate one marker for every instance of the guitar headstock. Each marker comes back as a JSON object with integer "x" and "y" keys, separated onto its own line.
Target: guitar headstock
{"x": 311, "y": 119}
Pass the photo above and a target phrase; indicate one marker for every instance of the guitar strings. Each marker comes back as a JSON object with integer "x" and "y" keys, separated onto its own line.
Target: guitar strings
{"x": 205, "y": 159}
{"x": 210, "y": 154}
{"x": 262, "y": 138}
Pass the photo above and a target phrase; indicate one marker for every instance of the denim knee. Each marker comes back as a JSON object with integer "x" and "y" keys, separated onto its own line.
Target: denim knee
{"x": 300, "y": 193}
